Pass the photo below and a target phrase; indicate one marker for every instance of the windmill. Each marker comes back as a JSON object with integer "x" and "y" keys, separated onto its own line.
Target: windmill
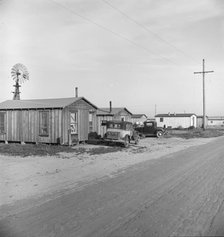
{"x": 19, "y": 74}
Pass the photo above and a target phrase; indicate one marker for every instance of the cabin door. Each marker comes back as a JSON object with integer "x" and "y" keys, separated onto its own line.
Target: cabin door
{"x": 74, "y": 127}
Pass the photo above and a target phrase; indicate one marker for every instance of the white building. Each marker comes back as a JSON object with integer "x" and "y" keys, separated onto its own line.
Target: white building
{"x": 216, "y": 121}
{"x": 169, "y": 120}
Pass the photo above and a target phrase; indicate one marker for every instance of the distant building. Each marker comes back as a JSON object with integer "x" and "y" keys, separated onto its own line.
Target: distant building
{"x": 138, "y": 118}
{"x": 215, "y": 121}
{"x": 176, "y": 120}
{"x": 200, "y": 121}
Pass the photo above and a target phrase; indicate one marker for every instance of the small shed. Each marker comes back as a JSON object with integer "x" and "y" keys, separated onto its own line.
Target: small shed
{"x": 107, "y": 114}
{"x": 176, "y": 120}
{"x": 200, "y": 119}
{"x": 138, "y": 118}
{"x": 60, "y": 121}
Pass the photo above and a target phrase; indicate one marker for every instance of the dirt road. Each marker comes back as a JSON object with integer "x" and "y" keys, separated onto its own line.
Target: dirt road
{"x": 181, "y": 194}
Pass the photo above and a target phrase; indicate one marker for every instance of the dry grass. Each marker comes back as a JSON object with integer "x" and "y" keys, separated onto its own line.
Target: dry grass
{"x": 195, "y": 133}
{"x": 15, "y": 149}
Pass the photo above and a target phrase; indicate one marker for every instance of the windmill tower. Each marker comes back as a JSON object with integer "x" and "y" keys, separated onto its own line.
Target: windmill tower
{"x": 19, "y": 74}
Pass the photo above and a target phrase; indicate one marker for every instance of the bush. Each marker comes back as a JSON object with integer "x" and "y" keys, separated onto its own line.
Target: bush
{"x": 93, "y": 135}
{"x": 179, "y": 128}
{"x": 191, "y": 127}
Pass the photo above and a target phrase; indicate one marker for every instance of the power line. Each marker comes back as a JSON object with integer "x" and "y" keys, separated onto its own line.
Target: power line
{"x": 147, "y": 29}
{"x": 111, "y": 31}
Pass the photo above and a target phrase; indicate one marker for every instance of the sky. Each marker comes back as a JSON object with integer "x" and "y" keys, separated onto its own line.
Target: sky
{"x": 139, "y": 54}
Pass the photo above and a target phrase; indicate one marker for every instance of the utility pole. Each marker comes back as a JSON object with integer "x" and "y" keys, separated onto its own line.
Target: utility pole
{"x": 203, "y": 80}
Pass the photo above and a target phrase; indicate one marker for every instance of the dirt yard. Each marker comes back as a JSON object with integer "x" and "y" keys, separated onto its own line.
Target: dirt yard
{"x": 39, "y": 176}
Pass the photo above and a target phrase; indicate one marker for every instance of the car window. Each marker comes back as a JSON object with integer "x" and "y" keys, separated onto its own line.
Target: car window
{"x": 149, "y": 124}
{"x": 117, "y": 126}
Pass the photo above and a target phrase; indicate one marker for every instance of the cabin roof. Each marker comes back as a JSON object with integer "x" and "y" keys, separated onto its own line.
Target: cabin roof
{"x": 215, "y": 117}
{"x": 175, "y": 115}
{"x": 41, "y": 103}
{"x": 138, "y": 115}
{"x": 106, "y": 111}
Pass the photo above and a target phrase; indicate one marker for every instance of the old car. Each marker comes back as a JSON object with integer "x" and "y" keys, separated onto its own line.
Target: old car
{"x": 120, "y": 132}
{"x": 149, "y": 128}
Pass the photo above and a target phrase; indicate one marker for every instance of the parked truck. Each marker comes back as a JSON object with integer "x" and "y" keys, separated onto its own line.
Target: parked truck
{"x": 149, "y": 128}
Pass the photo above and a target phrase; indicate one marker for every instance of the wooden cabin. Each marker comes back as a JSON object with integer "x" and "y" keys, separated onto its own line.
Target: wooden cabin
{"x": 61, "y": 121}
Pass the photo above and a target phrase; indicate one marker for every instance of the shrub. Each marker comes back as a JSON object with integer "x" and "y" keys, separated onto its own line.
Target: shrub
{"x": 179, "y": 127}
{"x": 191, "y": 127}
{"x": 93, "y": 135}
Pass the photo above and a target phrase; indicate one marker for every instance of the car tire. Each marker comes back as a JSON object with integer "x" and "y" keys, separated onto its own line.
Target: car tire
{"x": 126, "y": 141}
{"x": 136, "y": 139}
{"x": 142, "y": 135}
{"x": 159, "y": 134}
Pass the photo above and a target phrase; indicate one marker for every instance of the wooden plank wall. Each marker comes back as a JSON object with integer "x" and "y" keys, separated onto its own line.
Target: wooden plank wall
{"x": 123, "y": 114}
{"x": 23, "y": 126}
{"x": 65, "y": 125}
{"x": 83, "y": 108}
{"x": 101, "y": 130}
{"x": 83, "y": 124}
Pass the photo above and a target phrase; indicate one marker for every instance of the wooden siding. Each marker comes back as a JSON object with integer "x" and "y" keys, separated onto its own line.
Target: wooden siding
{"x": 101, "y": 130}
{"x": 123, "y": 114}
{"x": 23, "y": 126}
{"x": 83, "y": 109}
{"x": 83, "y": 125}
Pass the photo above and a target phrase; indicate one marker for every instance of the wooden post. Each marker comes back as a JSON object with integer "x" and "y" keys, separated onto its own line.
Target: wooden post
{"x": 203, "y": 81}
{"x": 69, "y": 137}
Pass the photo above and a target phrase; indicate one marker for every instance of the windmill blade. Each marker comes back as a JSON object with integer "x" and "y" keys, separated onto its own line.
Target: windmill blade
{"x": 19, "y": 72}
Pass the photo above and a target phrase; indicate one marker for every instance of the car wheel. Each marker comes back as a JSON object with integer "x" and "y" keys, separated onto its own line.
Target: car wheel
{"x": 141, "y": 135}
{"x": 159, "y": 134}
{"x": 136, "y": 139}
{"x": 126, "y": 141}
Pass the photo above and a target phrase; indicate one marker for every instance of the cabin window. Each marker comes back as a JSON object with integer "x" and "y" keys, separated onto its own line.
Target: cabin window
{"x": 161, "y": 120}
{"x": 150, "y": 124}
{"x": 74, "y": 122}
{"x": 90, "y": 122}
{"x": 44, "y": 123}
{"x": 2, "y": 122}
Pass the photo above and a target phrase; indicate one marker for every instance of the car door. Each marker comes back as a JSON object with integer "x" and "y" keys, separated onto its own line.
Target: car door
{"x": 149, "y": 128}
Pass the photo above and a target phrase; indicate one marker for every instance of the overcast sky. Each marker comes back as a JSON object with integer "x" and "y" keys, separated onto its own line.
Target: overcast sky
{"x": 136, "y": 53}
